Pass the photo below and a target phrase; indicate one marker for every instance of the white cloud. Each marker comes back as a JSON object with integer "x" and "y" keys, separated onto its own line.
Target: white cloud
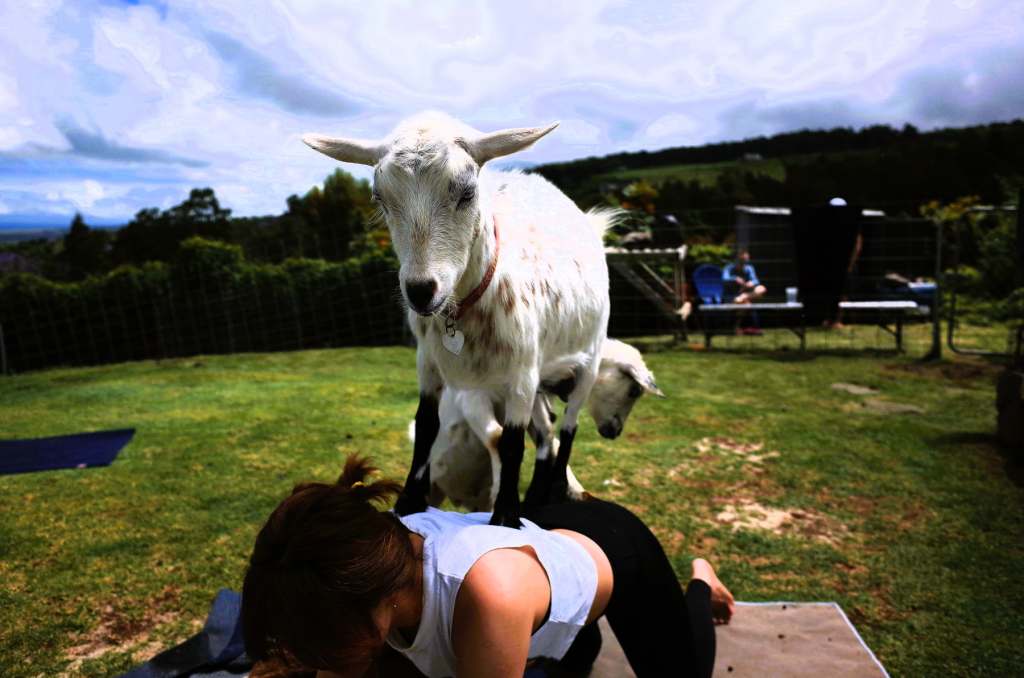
{"x": 672, "y": 126}
{"x": 234, "y": 84}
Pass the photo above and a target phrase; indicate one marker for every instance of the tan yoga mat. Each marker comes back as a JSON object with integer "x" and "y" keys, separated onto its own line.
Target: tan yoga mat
{"x": 786, "y": 640}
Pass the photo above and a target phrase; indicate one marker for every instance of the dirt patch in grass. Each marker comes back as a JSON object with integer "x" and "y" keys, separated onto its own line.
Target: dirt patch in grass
{"x": 119, "y": 632}
{"x": 751, "y": 453}
{"x": 747, "y": 514}
{"x": 854, "y": 389}
{"x": 881, "y": 406}
{"x": 963, "y": 370}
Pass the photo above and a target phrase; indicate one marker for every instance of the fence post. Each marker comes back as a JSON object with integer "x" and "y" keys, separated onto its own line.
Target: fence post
{"x": 935, "y": 353}
{"x": 3, "y": 352}
{"x": 1020, "y": 237}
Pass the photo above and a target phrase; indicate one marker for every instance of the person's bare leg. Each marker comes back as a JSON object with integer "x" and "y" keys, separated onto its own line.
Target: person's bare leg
{"x": 722, "y": 602}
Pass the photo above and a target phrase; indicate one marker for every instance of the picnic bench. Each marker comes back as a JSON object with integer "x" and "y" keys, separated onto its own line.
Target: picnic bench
{"x": 795, "y": 309}
{"x": 890, "y": 315}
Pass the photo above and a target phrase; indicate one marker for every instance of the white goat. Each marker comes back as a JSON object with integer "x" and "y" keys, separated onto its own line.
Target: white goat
{"x": 464, "y": 457}
{"x": 505, "y": 280}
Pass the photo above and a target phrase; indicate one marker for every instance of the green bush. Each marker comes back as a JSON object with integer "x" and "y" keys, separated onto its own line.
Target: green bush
{"x": 965, "y": 280}
{"x": 719, "y": 255}
{"x": 997, "y": 258}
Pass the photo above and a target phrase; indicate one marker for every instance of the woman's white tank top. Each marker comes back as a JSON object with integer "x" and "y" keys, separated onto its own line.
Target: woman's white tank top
{"x": 453, "y": 542}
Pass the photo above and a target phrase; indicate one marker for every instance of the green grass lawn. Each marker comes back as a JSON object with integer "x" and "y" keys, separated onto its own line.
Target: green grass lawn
{"x": 910, "y": 517}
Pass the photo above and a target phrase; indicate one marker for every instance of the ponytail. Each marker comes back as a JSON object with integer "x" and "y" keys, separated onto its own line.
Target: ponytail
{"x": 353, "y": 480}
{"x": 326, "y": 558}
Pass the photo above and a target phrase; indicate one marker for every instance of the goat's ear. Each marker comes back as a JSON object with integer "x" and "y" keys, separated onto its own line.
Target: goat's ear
{"x": 346, "y": 150}
{"x": 503, "y": 142}
{"x": 646, "y": 381}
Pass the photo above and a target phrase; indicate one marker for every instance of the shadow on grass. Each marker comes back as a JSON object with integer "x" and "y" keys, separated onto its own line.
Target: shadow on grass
{"x": 1013, "y": 458}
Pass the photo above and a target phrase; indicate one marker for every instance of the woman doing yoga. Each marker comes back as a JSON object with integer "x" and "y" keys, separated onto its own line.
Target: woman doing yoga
{"x": 332, "y": 581}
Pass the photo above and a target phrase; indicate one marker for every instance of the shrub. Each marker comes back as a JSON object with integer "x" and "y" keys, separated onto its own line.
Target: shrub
{"x": 719, "y": 255}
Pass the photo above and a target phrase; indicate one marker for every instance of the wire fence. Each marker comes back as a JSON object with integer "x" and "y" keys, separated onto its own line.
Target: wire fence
{"x": 178, "y": 316}
{"x": 155, "y": 313}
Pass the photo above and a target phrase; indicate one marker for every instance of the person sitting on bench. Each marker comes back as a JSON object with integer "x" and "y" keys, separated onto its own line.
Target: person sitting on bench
{"x": 333, "y": 581}
{"x": 741, "y": 278}
{"x": 740, "y": 282}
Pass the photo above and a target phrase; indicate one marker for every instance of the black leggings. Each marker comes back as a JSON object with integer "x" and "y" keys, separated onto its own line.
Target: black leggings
{"x": 663, "y": 631}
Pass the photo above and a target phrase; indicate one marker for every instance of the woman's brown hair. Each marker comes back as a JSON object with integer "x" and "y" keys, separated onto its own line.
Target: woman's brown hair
{"x": 325, "y": 559}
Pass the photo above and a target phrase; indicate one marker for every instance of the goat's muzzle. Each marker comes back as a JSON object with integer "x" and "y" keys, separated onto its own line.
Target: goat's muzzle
{"x": 420, "y": 295}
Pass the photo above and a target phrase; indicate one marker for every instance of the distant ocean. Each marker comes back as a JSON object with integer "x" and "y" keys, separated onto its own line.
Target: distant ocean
{"x": 15, "y": 227}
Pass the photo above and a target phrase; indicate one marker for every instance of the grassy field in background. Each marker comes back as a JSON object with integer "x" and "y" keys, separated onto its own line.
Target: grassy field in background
{"x": 706, "y": 174}
{"x": 895, "y": 503}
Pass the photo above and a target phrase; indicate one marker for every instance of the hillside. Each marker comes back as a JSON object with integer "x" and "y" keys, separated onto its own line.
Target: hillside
{"x": 876, "y": 164}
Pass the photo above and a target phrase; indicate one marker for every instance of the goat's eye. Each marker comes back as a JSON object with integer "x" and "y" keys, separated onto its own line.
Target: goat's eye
{"x": 466, "y": 197}
{"x": 377, "y": 200}
{"x": 635, "y": 390}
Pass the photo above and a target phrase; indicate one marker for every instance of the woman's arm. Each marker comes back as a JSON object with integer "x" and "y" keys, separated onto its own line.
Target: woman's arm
{"x": 503, "y": 599}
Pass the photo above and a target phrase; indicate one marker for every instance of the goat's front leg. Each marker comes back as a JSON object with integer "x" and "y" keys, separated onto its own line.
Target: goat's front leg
{"x": 417, "y": 484}
{"x": 511, "y": 444}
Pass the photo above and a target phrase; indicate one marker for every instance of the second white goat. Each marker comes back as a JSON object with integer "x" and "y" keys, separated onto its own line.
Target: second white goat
{"x": 464, "y": 459}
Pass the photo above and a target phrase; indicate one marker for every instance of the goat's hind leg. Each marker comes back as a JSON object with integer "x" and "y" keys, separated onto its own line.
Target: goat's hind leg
{"x": 542, "y": 431}
{"x": 559, "y": 486}
{"x": 478, "y": 410}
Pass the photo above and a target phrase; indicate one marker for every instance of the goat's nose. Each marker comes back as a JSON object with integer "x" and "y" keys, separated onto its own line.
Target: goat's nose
{"x": 420, "y": 293}
{"x": 610, "y": 430}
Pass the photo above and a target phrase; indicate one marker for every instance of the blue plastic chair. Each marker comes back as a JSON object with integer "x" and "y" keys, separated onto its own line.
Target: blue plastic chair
{"x": 707, "y": 278}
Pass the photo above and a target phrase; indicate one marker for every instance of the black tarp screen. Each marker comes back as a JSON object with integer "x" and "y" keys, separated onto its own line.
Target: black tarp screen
{"x": 825, "y": 238}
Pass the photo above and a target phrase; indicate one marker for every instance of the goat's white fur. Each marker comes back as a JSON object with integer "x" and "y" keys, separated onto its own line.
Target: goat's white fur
{"x": 547, "y": 305}
{"x": 463, "y": 458}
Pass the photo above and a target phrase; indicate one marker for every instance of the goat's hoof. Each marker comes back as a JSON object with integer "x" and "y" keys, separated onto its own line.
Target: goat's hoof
{"x": 407, "y": 504}
{"x": 506, "y": 518}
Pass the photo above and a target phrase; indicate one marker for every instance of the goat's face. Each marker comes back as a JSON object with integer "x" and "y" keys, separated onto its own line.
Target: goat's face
{"x": 427, "y": 192}
{"x": 621, "y": 380}
{"x": 425, "y": 182}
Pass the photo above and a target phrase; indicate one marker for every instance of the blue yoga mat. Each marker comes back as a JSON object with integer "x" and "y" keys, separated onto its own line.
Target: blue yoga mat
{"x": 81, "y": 450}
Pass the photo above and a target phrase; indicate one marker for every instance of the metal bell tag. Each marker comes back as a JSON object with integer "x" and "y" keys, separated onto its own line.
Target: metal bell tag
{"x": 453, "y": 339}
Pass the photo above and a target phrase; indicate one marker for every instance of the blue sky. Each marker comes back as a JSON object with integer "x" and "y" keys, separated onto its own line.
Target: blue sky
{"x": 109, "y": 107}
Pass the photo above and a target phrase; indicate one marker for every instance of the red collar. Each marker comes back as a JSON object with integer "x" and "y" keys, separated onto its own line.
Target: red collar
{"x": 478, "y": 292}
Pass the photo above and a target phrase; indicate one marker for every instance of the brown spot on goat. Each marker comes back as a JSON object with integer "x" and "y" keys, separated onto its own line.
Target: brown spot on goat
{"x": 505, "y": 294}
